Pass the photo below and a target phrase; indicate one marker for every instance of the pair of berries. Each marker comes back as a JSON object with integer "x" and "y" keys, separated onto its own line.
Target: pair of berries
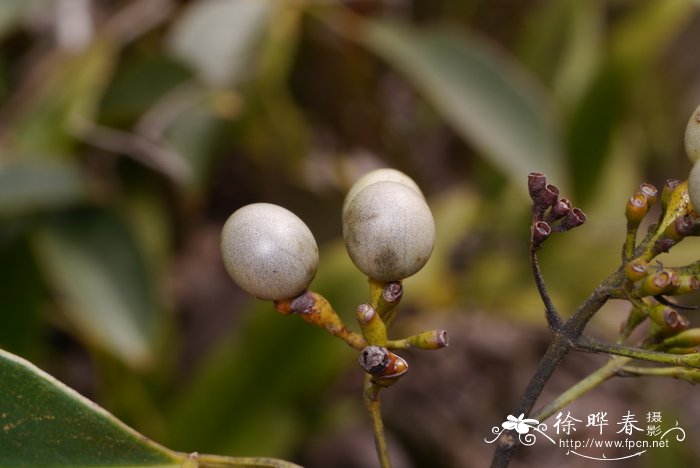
{"x": 388, "y": 231}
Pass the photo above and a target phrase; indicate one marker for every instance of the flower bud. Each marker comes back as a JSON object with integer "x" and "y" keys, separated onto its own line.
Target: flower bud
{"x": 559, "y": 210}
{"x": 573, "y": 218}
{"x": 661, "y": 282}
{"x": 388, "y": 231}
{"x": 685, "y": 339}
{"x": 372, "y": 326}
{"x": 636, "y": 208}
{"x": 268, "y": 251}
{"x": 667, "y": 191}
{"x": 687, "y": 284}
{"x": 432, "y": 339}
{"x": 636, "y": 269}
{"x": 648, "y": 191}
{"x": 692, "y": 136}
{"x": 668, "y": 318}
{"x": 540, "y": 233}
{"x": 385, "y": 367}
{"x": 536, "y": 182}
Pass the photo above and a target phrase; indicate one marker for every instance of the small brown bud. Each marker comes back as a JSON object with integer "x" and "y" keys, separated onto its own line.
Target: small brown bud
{"x": 560, "y": 209}
{"x": 573, "y": 218}
{"x": 393, "y": 292}
{"x": 540, "y": 233}
{"x": 384, "y": 366}
{"x": 536, "y": 182}
{"x": 547, "y": 197}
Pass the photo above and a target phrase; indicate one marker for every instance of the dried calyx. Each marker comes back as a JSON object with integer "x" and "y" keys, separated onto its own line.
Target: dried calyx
{"x": 550, "y": 213}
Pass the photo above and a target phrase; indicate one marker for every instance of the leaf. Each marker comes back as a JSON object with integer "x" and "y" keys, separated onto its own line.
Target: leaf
{"x": 59, "y": 96}
{"x": 276, "y": 368}
{"x": 21, "y": 292}
{"x": 45, "y": 423}
{"x": 485, "y": 95}
{"x": 12, "y": 11}
{"x": 27, "y": 186}
{"x": 93, "y": 264}
{"x": 216, "y": 37}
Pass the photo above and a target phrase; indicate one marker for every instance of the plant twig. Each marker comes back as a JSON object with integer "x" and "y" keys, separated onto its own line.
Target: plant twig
{"x": 582, "y": 387}
{"x": 595, "y": 346}
{"x": 554, "y": 320}
{"x": 371, "y": 397}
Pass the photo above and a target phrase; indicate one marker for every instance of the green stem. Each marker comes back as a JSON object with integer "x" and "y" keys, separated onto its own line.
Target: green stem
{"x": 691, "y": 375}
{"x": 594, "y": 346}
{"x": 581, "y": 388}
{"x": 371, "y": 397}
{"x": 215, "y": 461}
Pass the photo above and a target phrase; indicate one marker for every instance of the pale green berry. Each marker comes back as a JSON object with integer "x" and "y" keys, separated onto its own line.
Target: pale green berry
{"x": 379, "y": 175}
{"x": 268, "y": 251}
{"x": 692, "y": 136}
{"x": 694, "y": 186}
{"x": 388, "y": 231}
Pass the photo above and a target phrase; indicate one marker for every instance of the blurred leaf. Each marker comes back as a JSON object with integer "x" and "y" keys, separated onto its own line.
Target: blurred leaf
{"x": 60, "y": 95}
{"x": 11, "y": 12}
{"x": 216, "y": 37}
{"x": 45, "y": 423}
{"x": 275, "y": 364}
{"x": 590, "y": 130}
{"x": 27, "y": 186}
{"x": 92, "y": 263}
{"x": 275, "y": 367}
{"x": 485, "y": 95}
{"x": 21, "y": 292}
{"x": 636, "y": 44}
{"x": 129, "y": 95}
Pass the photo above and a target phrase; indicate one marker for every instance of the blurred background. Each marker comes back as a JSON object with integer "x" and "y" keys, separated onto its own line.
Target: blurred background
{"x": 130, "y": 131}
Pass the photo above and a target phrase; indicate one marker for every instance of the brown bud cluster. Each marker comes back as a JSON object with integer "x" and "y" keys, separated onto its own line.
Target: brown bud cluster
{"x": 550, "y": 213}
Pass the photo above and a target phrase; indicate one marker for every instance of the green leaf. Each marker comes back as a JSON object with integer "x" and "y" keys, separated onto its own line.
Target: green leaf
{"x": 216, "y": 37}
{"x": 484, "y": 94}
{"x": 66, "y": 92}
{"x": 45, "y": 423}
{"x": 27, "y": 186}
{"x": 93, "y": 264}
{"x": 22, "y": 293}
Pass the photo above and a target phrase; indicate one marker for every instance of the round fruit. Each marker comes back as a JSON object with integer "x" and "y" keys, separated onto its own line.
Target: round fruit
{"x": 268, "y": 251}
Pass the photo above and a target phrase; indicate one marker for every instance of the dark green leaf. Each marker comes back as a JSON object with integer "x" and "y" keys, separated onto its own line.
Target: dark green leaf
{"x": 484, "y": 94}
{"x": 27, "y": 186}
{"x": 98, "y": 274}
{"x": 45, "y": 423}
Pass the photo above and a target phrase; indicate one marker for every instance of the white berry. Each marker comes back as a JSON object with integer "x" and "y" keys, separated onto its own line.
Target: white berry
{"x": 268, "y": 251}
{"x": 694, "y": 187}
{"x": 388, "y": 231}
{"x": 692, "y": 137}
{"x": 379, "y": 175}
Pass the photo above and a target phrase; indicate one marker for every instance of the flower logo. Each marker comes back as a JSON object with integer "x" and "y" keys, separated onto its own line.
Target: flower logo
{"x": 520, "y": 424}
